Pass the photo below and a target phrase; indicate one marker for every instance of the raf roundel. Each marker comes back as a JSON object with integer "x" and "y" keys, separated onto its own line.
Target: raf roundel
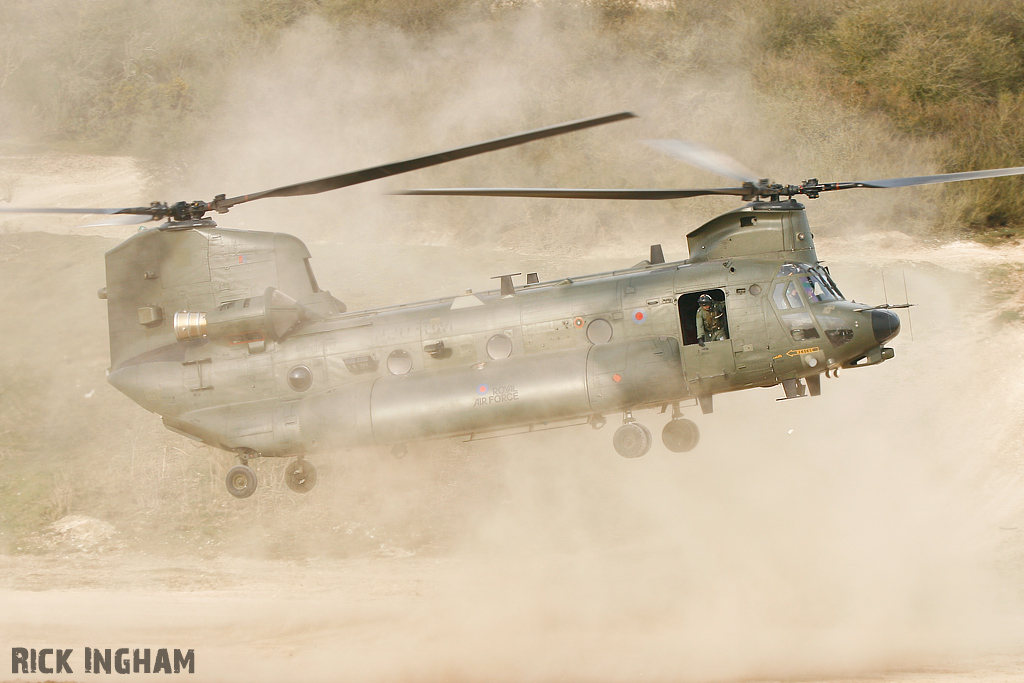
{"x": 482, "y": 389}
{"x": 640, "y": 316}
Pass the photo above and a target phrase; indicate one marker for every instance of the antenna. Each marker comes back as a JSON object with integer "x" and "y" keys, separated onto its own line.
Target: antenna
{"x": 906, "y": 297}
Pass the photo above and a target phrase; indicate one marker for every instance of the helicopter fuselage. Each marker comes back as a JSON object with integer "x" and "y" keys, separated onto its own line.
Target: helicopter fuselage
{"x": 272, "y": 375}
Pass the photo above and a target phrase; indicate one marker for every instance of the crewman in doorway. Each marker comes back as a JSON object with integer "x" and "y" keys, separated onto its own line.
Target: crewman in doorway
{"x": 710, "y": 319}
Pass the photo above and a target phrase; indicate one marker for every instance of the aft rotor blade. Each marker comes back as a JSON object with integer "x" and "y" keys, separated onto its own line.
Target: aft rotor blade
{"x": 138, "y": 210}
{"x": 416, "y": 163}
{"x": 580, "y": 194}
{"x": 704, "y": 157}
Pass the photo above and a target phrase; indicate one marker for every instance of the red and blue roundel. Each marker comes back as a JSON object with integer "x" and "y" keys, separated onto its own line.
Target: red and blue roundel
{"x": 640, "y": 316}
{"x": 482, "y": 388}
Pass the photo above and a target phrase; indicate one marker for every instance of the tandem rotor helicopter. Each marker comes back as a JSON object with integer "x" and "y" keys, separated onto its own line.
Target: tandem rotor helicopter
{"x": 227, "y": 335}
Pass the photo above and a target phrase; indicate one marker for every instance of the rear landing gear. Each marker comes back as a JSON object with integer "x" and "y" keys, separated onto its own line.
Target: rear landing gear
{"x": 241, "y": 481}
{"x": 632, "y": 439}
{"x": 300, "y": 476}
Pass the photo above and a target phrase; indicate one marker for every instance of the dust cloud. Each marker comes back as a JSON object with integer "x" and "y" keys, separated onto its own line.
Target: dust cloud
{"x": 327, "y": 101}
{"x": 874, "y": 529}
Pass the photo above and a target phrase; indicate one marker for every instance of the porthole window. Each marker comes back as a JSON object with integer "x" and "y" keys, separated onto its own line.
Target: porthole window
{"x": 399, "y": 362}
{"x": 599, "y": 331}
{"x": 300, "y": 378}
{"x": 499, "y": 346}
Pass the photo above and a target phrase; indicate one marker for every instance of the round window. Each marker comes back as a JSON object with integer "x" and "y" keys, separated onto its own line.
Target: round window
{"x": 300, "y": 378}
{"x": 399, "y": 362}
{"x": 499, "y": 346}
{"x": 599, "y": 331}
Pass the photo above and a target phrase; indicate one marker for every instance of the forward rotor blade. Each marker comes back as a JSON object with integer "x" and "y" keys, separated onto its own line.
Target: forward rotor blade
{"x": 416, "y": 163}
{"x": 118, "y": 220}
{"x": 579, "y": 194}
{"x": 940, "y": 178}
{"x": 704, "y": 157}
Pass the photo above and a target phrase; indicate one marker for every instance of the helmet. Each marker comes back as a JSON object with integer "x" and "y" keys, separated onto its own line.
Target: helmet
{"x": 705, "y": 300}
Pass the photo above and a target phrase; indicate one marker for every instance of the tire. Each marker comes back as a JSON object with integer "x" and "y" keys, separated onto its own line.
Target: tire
{"x": 680, "y": 436}
{"x": 241, "y": 481}
{"x": 632, "y": 440}
{"x": 300, "y": 476}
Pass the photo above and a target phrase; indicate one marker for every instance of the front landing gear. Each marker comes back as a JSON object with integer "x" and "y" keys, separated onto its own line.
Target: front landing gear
{"x": 300, "y": 476}
{"x": 632, "y": 439}
{"x": 241, "y": 481}
{"x": 680, "y": 435}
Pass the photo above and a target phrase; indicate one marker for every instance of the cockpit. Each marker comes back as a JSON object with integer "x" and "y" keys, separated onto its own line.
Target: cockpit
{"x": 801, "y": 295}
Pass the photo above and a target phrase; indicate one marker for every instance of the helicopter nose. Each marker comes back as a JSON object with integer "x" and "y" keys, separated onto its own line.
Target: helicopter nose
{"x": 885, "y": 325}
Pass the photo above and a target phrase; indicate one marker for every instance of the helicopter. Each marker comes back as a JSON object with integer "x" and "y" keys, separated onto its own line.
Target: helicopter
{"x": 227, "y": 335}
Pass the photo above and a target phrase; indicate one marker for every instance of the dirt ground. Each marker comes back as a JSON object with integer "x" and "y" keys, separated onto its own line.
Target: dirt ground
{"x": 873, "y": 533}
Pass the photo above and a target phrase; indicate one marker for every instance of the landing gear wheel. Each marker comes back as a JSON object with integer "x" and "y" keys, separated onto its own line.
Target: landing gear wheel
{"x": 632, "y": 440}
{"x": 300, "y": 476}
{"x": 680, "y": 436}
{"x": 241, "y": 481}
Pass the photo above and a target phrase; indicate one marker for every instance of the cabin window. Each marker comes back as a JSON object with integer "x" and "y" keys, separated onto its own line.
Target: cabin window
{"x": 717, "y": 327}
{"x": 599, "y": 331}
{"x": 300, "y": 378}
{"x": 399, "y": 362}
{"x": 499, "y": 346}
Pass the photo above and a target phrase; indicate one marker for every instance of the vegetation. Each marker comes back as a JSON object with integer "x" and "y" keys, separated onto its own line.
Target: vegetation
{"x": 953, "y": 71}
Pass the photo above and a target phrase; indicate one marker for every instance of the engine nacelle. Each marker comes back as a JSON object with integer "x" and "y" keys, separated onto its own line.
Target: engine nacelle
{"x": 271, "y": 316}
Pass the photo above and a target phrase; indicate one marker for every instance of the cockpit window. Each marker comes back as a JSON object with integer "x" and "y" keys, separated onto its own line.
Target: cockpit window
{"x": 815, "y": 280}
{"x": 800, "y": 326}
{"x": 816, "y": 290}
{"x": 792, "y": 269}
{"x": 826, "y": 278}
{"x": 836, "y": 329}
{"x": 786, "y": 296}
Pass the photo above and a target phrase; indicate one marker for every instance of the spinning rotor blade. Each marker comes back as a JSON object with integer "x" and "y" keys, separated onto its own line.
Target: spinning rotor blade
{"x": 118, "y": 220}
{"x": 416, "y": 163}
{"x": 579, "y": 194}
{"x": 704, "y": 157}
{"x": 940, "y": 178}
{"x": 138, "y": 211}
{"x": 182, "y": 211}
{"x": 750, "y": 191}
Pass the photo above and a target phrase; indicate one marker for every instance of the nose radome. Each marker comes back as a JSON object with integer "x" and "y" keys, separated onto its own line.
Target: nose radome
{"x": 885, "y": 325}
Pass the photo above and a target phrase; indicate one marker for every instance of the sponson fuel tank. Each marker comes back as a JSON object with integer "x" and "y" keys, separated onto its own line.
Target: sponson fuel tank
{"x": 511, "y": 392}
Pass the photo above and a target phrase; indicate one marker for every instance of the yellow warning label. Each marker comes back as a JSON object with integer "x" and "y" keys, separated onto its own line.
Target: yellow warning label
{"x": 801, "y": 352}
